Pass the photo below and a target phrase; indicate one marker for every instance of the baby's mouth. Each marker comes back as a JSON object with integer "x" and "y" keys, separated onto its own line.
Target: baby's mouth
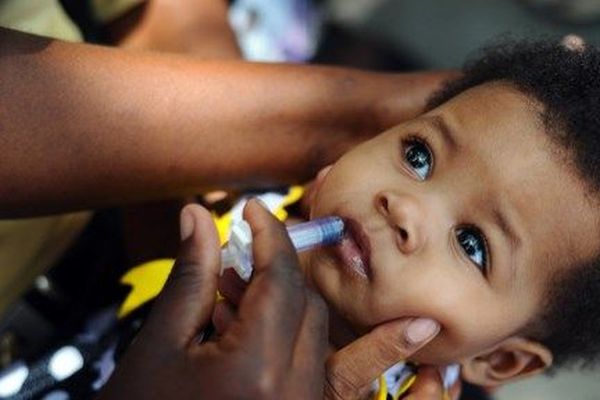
{"x": 354, "y": 250}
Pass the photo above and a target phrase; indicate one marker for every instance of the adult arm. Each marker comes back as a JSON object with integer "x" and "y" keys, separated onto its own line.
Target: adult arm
{"x": 274, "y": 348}
{"x": 86, "y": 126}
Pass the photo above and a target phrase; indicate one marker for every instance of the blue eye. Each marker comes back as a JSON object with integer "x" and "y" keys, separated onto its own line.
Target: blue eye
{"x": 419, "y": 158}
{"x": 474, "y": 246}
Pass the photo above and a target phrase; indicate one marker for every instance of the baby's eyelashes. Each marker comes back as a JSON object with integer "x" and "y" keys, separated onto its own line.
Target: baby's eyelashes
{"x": 418, "y": 157}
{"x": 474, "y": 245}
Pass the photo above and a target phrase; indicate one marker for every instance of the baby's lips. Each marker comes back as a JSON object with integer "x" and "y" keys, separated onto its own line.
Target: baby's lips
{"x": 359, "y": 237}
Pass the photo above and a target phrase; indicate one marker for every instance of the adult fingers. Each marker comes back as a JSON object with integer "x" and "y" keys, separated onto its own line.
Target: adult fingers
{"x": 223, "y": 315}
{"x": 428, "y": 385}
{"x": 187, "y": 300}
{"x": 455, "y": 389}
{"x": 351, "y": 370}
{"x": 311, "y": 351}
{"x": 272, "y": 309}
{"x": 231, "y": 286}
{"x": 270, "y": 239}
{"x": 277, "y": 291}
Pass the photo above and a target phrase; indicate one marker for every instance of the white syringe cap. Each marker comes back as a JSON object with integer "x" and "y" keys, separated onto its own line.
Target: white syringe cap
{"x": 238, "y": 252}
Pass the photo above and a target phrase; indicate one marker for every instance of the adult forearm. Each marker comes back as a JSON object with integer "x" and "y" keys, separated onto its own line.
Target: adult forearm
{"x": 86, "y": 126}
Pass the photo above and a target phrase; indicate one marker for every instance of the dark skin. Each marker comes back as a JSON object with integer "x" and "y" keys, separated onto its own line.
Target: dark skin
{"x": 204, "y": 32}
{"x": 314, "y": 116}
{"x": 198, "y": 27}
{"x": 265, "y": 343}
{"x": 87, "y": 127}
{"x": 193, "y": 27}
{"x": 276, "y": 345}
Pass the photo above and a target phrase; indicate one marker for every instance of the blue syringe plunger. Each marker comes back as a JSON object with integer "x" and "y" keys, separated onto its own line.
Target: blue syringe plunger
{"x": 318, "y": 232}
{"x": 237, "y": 253}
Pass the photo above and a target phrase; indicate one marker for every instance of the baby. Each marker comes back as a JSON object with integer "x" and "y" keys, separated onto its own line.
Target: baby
{"x": 482, "y": 214}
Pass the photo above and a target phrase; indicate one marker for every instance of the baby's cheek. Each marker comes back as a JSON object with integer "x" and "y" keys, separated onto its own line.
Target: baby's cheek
{"x": 466, "y": 332}
{"x": 448, "y": 347}
{"x": 465, "y": 326}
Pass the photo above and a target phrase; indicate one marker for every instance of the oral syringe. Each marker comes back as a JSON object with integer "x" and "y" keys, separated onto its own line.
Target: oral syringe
{"x": 237, "y": 253}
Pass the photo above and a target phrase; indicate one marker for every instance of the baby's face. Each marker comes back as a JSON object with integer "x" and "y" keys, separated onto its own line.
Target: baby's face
{"x": 461, "y": 215}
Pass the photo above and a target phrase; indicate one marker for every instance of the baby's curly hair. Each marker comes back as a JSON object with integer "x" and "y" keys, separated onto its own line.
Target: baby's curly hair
{"x": 565, "y": 79}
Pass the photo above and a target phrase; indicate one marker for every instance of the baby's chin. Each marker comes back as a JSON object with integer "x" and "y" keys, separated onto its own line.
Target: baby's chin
{"x": 344, "y": 330}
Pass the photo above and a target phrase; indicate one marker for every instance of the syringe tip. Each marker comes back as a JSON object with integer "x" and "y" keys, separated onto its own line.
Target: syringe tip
{"x": 318, "y": 232}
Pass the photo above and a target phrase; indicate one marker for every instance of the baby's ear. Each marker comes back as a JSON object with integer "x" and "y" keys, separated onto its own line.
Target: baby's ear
{"x": 514, "y": 358}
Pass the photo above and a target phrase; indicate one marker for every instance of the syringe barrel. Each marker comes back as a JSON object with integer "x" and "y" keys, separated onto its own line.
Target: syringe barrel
{"x": 237, "y": 253}
{"x": 318, "y": 232}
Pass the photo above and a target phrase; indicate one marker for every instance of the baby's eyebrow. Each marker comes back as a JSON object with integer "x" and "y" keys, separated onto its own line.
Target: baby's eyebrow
{"x": 514, "y": 239}
{"x": 446, "y": 132}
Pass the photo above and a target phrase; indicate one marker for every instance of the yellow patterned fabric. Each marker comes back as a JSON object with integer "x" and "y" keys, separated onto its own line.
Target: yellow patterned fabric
{"x": 395, "y": 382}
{"x": 147, "y": 280}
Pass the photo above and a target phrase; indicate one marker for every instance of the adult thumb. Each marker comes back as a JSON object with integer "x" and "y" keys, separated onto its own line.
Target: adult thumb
{"x": 186, "y": 303}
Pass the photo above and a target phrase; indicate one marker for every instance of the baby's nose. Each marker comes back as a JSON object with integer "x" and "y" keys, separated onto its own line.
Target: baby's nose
{"x": 404, "y": 213}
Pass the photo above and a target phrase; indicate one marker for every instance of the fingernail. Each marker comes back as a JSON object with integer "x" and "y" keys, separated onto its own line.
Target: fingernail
{"x": 262, "y": 203}
{"x": 186, "y": 224}
{"x": 421, "y": 329}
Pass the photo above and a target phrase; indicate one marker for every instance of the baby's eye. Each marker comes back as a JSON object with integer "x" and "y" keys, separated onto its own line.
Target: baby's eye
{"x": 418, "y": 156}
{"x": 474, "y": 246}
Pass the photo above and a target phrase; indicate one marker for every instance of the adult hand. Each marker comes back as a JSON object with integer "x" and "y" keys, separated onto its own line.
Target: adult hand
{"x": 205, "y": 139}
{"x": 274, "y": 348}
{"x": 351, "y": 371}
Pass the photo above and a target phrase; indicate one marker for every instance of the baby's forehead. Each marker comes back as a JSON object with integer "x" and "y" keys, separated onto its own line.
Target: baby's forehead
{"x": 493, "y": 100}
{"x": 490, "y": 116}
